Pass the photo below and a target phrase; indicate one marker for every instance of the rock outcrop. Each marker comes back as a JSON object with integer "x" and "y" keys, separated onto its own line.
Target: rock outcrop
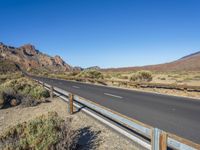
{"x": 28, "y": 57}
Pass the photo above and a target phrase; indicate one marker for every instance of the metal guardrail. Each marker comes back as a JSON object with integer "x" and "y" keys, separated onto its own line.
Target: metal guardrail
{"x": 160, "y": 140}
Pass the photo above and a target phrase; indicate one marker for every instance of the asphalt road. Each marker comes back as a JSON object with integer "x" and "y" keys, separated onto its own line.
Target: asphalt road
{"x": 177, "y": 115}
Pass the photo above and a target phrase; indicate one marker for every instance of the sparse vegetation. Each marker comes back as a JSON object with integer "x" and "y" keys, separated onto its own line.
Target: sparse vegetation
{"x": 91, "y": 74}
{"x": 142, "y": 76}
{"x": 42, "y": 133}
{"x": 21, "y": 90}
{"x": 8, "y": 66}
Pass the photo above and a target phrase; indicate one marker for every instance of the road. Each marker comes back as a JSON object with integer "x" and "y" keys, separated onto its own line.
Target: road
{"x": 177, "y": 115}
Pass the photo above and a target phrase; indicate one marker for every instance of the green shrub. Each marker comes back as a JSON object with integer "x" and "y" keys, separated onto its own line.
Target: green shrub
{"x": 163, "y": 78}
{"x": 142, "y": 76}
{"x": 107, "y": 76}
{"x": 92, "y": 74}
{"x": 42, "y": 133}
{"x": 38, "y": 92}
{"x": 123, "y": 77}
{"x": 25, "y": 87}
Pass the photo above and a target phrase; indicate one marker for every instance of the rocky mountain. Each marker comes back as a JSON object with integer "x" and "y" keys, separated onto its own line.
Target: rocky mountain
{"x": 187, "y": 63}
{"x": 27, "y": 57}
{"x": 93, "y": 68}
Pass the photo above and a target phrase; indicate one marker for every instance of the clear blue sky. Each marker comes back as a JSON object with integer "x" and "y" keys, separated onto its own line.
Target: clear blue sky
{"x": 107, "y": 33}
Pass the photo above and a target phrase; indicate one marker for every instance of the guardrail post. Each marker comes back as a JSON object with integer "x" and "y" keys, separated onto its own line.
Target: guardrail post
{"x": 70, "y": 106}
{"x": 155, "y": 140}
{"x": 51, "y": 92}
{"x": 163, "y": 141}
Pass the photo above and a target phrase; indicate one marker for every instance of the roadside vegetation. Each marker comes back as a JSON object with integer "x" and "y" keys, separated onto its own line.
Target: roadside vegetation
{"x": 16, "y": 89}
{"x": 142, "y": 76}
{"x": 91, "y": 74}
{"x": 43, "y": 133}
{"x": 139, "y": 80}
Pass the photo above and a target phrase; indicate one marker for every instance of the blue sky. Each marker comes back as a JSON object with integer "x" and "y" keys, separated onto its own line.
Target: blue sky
{"x": 107, "y": 33}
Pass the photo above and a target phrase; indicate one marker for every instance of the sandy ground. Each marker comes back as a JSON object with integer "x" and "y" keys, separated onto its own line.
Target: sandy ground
{"x": 94, "y": 134}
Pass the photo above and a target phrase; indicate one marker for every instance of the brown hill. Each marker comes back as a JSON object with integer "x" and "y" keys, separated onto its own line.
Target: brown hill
{"x": 7, "y": 66}
{"x": 188, "y": 63}
{"x": 27, "y": 57}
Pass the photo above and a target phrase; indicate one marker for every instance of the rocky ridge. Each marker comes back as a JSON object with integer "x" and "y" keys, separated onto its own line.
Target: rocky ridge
{"x": 28, "y": 57}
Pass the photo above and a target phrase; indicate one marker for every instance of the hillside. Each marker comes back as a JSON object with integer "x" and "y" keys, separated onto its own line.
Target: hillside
{"x": 7, "y": 66}
{"x": 27, "y": 57}
{"x": 187, "y": 63}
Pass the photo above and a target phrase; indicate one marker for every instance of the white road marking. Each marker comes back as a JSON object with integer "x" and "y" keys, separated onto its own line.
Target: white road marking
{"x": 113, "y": 95}
{"x": 76, "y": 87}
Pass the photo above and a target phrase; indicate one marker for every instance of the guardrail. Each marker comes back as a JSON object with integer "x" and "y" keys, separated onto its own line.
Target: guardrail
{"x": 145, "y": 135}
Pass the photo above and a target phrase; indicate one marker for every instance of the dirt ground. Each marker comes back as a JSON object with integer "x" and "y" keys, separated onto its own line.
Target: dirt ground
{"x": 94, "y": 134}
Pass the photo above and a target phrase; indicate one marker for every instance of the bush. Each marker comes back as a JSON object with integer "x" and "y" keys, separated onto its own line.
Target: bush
{"x": 38, "y": 92}
{"x": 108, "y": 76}
{"x": 92, "y": 74}
{"x": 9, "y": 97}
{"x": 28, "y": 102}
{"x": 142, "y": 76}
{"x": 23, "y": 91}
{"x": 123, "y": 77}
{"x": 163, "y": 78}
{"x": 26, "y": 87}
{"x": 45, "y": 132}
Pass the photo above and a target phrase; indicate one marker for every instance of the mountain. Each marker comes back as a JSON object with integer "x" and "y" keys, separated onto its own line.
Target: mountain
{"x": 93, "y": 68}
{"x": 187, "y": 63}
{"x": 27, "y": 57}
{"x": 191, "y": 55}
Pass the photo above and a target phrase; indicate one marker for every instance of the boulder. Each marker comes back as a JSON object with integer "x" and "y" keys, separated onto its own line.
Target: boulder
{"x": 13, "y": 102}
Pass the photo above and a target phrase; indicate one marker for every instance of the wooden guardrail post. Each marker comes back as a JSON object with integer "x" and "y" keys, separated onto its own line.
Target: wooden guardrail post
{"x": 70, "y": 106}
{"x": 159, "y": 139}
{"x": 163, "y": 140}
{"x": 51, "y": 92}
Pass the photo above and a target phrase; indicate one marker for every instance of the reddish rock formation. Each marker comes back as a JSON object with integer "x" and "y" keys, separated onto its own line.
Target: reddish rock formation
{"x": 28, "y": 57}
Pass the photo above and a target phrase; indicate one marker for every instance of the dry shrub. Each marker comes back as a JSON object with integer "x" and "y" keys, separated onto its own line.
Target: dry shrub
{"x": 26, "y": 87}
{"x": 9, "y": 97}
{"x": 91, "y": 74}
{"x": 28, "y": 101}
{"x": 142, "y": 76}
{"x": 22, "y": 90}
{"x": 42, "y": 133}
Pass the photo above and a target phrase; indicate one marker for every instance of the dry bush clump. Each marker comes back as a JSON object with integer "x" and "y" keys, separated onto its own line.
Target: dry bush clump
{"x": 22, "y": 90}
{"x": 28, "y": 101}
{"x": 91, "y": 74}
{"x": 142, "y": 76}
{"x": 25, "y": 86}
{"x": 43, "y": 133}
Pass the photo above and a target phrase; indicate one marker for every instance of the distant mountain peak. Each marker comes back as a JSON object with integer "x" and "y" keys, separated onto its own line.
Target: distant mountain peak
{"x": 191, "y": 55}
{"x": 93, "y": 68}
{"x": 187, "y": 63}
